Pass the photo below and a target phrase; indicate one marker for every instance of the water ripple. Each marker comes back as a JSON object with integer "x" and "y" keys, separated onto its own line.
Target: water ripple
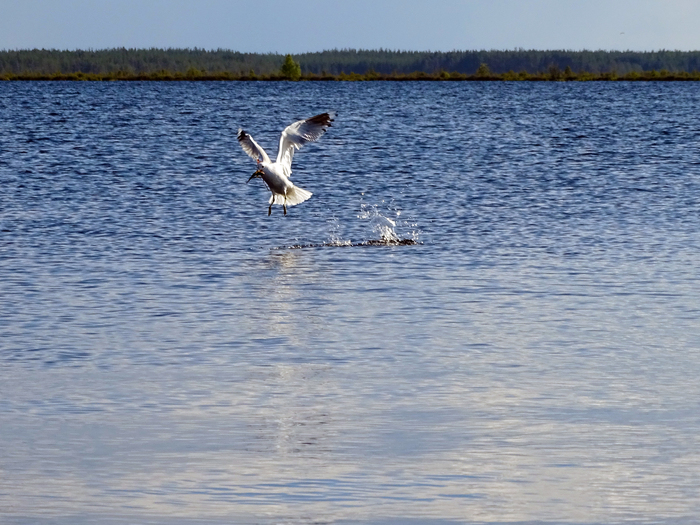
{"x": 530, "y": 357}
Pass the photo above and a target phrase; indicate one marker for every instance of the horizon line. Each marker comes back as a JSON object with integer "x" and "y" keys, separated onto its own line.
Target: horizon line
{"x": 350, "y": 50}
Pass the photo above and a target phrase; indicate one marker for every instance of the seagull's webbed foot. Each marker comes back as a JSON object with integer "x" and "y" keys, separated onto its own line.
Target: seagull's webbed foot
{"x": 284, "y": 207}
{"x": 269, "y": 210}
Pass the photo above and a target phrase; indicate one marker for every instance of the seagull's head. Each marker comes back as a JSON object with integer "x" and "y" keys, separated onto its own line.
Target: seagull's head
{"x": 257, "y": 175}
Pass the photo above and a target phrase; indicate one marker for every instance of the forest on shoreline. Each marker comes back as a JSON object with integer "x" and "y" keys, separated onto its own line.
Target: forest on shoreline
{"x": 552, "y": 75}
{"x": 348, "y": 65}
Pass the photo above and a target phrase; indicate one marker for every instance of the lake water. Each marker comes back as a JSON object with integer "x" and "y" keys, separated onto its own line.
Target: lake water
{"x": 169, "y": 355}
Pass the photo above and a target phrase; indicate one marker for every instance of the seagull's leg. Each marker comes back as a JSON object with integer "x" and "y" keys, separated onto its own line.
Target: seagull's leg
{"x": 269, "y": 210}
{"x": 284, "y": 206}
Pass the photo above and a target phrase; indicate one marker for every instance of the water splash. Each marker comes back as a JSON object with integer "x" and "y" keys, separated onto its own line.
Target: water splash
{"x": 335, "y": 237}
{"x": 387, "y": 229}
{"x": 386, "y": 223}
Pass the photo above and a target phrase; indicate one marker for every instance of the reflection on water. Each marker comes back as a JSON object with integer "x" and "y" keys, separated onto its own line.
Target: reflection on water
{"x": 530, "y": 357}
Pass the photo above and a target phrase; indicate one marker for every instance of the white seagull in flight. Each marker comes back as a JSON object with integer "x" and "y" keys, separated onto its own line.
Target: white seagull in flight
{"x": 276, "y": 174}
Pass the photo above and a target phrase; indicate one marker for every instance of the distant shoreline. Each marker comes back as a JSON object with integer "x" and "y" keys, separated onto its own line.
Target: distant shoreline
{"x": 348, "y": 65}
{"x": 554, "y": 75}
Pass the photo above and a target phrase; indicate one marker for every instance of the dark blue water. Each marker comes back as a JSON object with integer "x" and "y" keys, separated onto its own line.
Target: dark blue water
{"x": 166, "y": 356}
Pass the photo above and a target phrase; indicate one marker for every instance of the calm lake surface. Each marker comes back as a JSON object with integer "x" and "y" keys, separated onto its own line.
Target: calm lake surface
{"x": 166, "y": 357}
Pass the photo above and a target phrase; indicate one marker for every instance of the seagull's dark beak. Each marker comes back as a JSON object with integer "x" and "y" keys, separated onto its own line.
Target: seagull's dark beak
{"x": 256, "y": 175}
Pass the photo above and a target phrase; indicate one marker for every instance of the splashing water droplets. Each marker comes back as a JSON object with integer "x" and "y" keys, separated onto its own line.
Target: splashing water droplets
{"x": 384, "y": 226}
{"x": 386, "y": 230}
{"x": 335, "y": 234}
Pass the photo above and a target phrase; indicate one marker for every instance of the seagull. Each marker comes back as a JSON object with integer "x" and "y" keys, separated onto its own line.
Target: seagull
{"x": 276, "y": 174}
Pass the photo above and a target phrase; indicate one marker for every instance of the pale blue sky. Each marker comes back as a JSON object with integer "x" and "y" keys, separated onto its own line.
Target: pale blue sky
{"x": 298, "y": 26}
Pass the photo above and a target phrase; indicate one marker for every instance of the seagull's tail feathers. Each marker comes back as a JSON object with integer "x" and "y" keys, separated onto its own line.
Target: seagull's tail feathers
{"x": 295, "y": 195}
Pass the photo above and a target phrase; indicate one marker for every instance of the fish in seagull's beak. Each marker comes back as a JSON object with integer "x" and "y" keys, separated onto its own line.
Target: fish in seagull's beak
{"x": 257, "y": 175}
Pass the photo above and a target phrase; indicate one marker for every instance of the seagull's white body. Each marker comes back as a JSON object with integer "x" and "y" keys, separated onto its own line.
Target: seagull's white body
{"x": 277, "y": 174}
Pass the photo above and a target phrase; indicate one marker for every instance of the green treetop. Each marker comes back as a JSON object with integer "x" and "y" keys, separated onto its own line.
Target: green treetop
{"x": 290, "y": 69}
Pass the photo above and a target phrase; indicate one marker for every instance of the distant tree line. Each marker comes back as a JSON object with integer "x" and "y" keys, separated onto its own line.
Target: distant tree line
{"x": 135, "y": 61}
{"x": 347, "y": 64}
{"x": 499, "y": 62}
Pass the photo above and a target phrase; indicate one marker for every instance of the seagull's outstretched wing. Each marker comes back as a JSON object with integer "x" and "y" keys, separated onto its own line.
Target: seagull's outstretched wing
{"x": 296, "y": 135}
{"x": 251, "y": 147}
